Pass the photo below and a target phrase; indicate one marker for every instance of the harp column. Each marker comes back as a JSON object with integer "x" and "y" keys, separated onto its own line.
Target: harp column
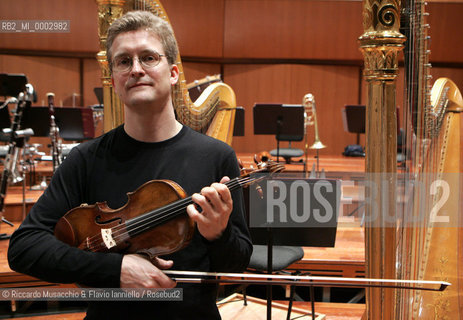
{"x": 380, "y": 45}
{"x": 108, "y": 11}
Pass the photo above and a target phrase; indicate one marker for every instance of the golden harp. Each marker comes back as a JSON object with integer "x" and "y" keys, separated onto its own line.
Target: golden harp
{"x": 213, "y": 113}
{"x": 425, "y": 197}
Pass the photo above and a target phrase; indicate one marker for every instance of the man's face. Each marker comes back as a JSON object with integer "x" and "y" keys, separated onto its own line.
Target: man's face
{"x": 140, "y": 85}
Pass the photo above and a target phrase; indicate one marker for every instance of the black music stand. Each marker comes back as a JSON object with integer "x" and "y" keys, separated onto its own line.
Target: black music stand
{"x": 5, "y": 122}
{"x": 38, "y": 119}
{"x": 310, "y": 234}
{"x": 238, "y": 128}
{"x": 74, "y": 123}
{"x": 353, "y": 117}
{"x": 285, "y": 121}
{"x": 98, "y": 91}
{"x": 11, "y": 85}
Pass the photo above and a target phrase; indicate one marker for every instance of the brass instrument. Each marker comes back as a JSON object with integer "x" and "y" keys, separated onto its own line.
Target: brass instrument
{"x": 54, "y": 133}
{"x": 213, "y": 113}
{"x": 310, "y": 119}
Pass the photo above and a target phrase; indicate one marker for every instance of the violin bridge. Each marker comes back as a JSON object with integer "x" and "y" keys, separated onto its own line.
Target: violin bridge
{"x": 107, "y": 236}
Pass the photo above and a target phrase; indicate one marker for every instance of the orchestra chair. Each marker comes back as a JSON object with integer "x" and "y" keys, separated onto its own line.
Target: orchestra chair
{"x": 287, "y": 153}
{"x": 282, "y": 258}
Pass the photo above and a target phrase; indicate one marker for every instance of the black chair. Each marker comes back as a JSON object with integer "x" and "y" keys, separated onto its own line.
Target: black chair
{"x": 288, "y": 153}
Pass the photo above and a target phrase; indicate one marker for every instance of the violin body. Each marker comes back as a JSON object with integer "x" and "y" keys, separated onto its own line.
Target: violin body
{"x": 129, "y": 229}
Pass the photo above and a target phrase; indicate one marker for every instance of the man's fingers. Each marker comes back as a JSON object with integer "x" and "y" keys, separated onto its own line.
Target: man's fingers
{"x": 161, "y": 263}
{"x": 139, "y": 272}
{"x": 202, "y": 201}
{"x": 195, "y": 215}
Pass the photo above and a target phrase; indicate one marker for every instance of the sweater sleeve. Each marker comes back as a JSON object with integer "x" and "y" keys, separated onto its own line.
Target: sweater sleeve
{"x": 232, "y": 250}
{"x": 35, "y": 251}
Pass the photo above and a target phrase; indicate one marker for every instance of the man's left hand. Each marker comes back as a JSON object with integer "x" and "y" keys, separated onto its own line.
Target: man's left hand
{"x": 216, "y": 204}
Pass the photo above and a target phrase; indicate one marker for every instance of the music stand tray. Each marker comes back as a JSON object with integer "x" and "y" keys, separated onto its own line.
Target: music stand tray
{"x": 354, "y": 119}
{"x": 74, "y": 123}
{"x": 279, "y": 119}
{"x": 312, "y": 232}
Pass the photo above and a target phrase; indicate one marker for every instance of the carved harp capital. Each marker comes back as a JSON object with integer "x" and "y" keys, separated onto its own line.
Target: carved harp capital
{"x": 382, "y": 41}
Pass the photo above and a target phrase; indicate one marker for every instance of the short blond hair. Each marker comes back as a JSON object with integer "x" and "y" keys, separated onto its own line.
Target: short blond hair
{"x": 136, "y": 20}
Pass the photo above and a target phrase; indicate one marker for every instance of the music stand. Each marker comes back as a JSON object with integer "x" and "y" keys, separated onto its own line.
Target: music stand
{"x": 11, "y": 85}
{"x": 98, "y": 91}
{"x": 75, "y": 124}
{"x": 5, "y": 122}
{"x": 285, "y": 121}
{"x": 238, "y": 127}
{"x": 38, "y": 119}
{"x": 353, "y": 117}
{"x": 309, "y": 234}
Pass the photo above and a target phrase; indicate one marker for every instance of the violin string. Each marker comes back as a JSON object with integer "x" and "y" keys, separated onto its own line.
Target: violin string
{"x": 171, "y": 210}
{"x": 177, "y": 207}
{"x": 165, "y": 214}
{"x": 153, "y": 217}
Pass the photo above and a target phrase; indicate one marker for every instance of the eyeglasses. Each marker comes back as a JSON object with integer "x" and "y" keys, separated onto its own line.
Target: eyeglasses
{"x": 147, "y": 61}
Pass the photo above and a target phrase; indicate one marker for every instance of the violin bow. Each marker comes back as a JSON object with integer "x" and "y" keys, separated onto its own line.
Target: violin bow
{"x": 272, "y": 279}
{"x": 309, "y": 281}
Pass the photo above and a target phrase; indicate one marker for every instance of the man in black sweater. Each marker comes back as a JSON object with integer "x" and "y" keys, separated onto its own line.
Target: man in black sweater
{"x": 151, "y": 144}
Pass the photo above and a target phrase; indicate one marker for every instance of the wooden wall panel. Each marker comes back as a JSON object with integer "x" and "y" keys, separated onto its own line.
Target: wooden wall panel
{"x": 91, "y": 79}
{"x": 198, "y": 26}
{"x": 454, "y": 74}
{"x": 229, "y": 37}
{"x": 446, "y": 25}
{"x": 81, "y": 13}
{"x": 195, "y": 71}
{"x": 325, "y": 30}
{"x": 46, "y": 74}
{"x": 332, "y": 86}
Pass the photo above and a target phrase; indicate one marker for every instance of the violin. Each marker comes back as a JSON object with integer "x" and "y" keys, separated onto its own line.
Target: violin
{"x": 153, "y": 221}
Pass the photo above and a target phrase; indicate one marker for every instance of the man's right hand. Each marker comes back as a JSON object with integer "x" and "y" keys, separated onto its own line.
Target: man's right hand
{"x": 139, "y": 272}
